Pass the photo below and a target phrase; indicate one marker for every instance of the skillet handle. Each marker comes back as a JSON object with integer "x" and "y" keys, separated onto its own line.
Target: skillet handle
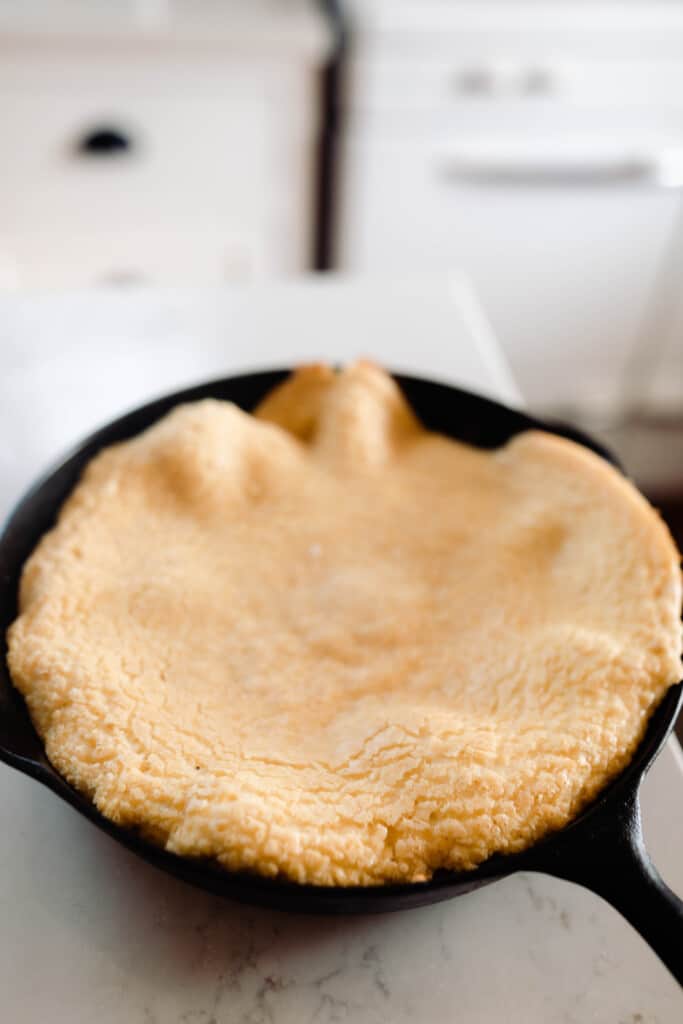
{"x": 613, "y": 862}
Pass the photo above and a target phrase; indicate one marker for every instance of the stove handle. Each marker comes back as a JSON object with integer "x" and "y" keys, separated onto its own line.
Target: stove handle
{"x": 649, "y": 171}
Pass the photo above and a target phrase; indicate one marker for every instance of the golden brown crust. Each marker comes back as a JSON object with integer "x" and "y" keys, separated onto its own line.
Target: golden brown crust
{"x": 327, "y": 644}
{"x": 295, "y": 404}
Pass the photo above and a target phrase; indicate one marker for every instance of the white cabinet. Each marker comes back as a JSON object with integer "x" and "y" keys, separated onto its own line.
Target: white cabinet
{"x": 549, "y": 171}
{"x": 160, "y": 157}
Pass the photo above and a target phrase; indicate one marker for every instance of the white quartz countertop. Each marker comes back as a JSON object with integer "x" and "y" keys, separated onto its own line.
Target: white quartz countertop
{"x": 90, "y": 933}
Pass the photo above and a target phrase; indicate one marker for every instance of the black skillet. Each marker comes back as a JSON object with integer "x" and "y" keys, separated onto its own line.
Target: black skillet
{"x": 602, "y": 849}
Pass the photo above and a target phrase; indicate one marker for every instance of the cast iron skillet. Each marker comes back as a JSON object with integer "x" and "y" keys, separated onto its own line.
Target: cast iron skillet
{"x": 602, "y": 849}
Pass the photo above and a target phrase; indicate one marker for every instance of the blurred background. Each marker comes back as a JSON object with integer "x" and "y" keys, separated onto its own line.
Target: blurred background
{"x": 536, "y": 147}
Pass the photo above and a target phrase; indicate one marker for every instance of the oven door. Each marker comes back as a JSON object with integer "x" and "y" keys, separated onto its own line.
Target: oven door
{"x": 565, "y": 242}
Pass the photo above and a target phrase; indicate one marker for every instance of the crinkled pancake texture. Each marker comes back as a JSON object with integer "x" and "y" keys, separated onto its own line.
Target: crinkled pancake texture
{"x": 326, "y": 644}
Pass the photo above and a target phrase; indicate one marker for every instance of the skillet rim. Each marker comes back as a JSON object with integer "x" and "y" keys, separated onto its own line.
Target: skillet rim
{"x": 25, "y": 518}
